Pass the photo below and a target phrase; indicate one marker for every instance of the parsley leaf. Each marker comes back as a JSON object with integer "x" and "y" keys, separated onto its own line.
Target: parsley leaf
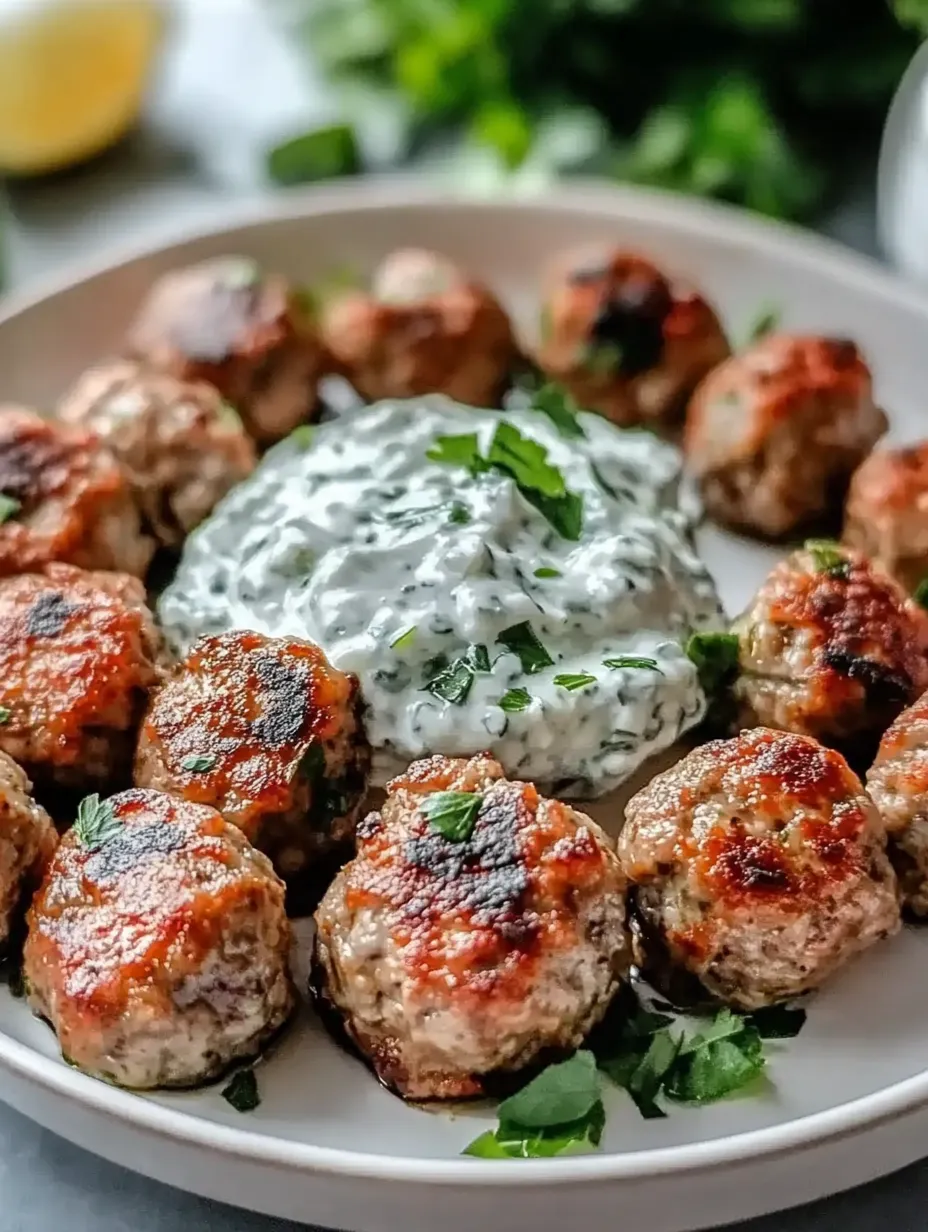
{"x": 463, "y": 450}
{"x": 545, "y": 571}
{"x": 514, "y": 1142}
{"x": 827, "y": 557}
{"x": 777, "y": 1021}
{"x": 712, "y": 1064}
{"x": 95, "y": 823}
{"x": 452, "y": 681}
{"x": 632, "y": 661}
{"x": 573, "y": 682}
{"x": 5, "y": 714}
{"x": 242, "y": 1091}
{"x": 522, "y": 641}
{"x": 9, "y": 507}
{"x": 302, "y": 436}
{"x": 199, "y": 763}
{"x": 765, "y": 322}
{"x": 565, "y": 513}
{"x": 716, "y": 658}
{"x": 560, "y": 1093}
{"x": 525, "y": 460}
{"x": 459, "y": 514}
{"x": 920, "y": 594}
{"x": 405, "y": 639}
{"x": 320, "y": 154}
{"x": 452, "y": 813}
{"x": 514, "y": 700}
{"x": 555, "y": 402}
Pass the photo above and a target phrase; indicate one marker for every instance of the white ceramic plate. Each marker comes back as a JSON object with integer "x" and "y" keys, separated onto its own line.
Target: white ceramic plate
{"x": 849, "y": 1097}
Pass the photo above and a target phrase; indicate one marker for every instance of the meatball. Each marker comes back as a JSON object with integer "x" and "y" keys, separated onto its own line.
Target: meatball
{"x": 450, "y": 953}
{"x": 757, "y": 867}
{"x": 886, "y": 515}
{"x": 157, "y": 945}
{"x": 77, "y": 653}
{"x": 625, "y": 340}
{"x": 287, "y": 762}
{"x": 63, "y": 497}
{"x": 27, "y": 842}
{"x": 181, "y": 445}
{"x": 423, "y": 327}
{"x": 830, "y": 647}
{"x": 774, "y": 434}
{"x": 248, "y": 333}
{"x": 898, "y": 785}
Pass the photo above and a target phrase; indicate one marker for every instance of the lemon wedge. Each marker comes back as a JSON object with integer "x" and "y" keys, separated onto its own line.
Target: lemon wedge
{"x": 72, "y": 77}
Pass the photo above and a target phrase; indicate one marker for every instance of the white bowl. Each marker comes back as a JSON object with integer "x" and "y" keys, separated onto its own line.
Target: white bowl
{"x": 849, "y": 1096}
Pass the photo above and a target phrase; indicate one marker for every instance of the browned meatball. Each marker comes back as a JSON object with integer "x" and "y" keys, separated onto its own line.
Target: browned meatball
{"x": 773, "y": 434}
{"x": 624, "y": 339}
{"x": 158, "y": 943}
{"x": 268, "y": 732}
{"x": 886, "y": 515}
{"x": 898, "y": 786}
{"x": 27, "y": 842}
{"x": 78, "y": 652}
{"x": 449, "y": 954}
{"x": 179, "y": 442}
{"x": 830, "y": 647}
{"x": 248, "y": 333}
{"x": 64, "y": 497}
{"x": 758, "y": 867}
{"x": 423, "y": 327}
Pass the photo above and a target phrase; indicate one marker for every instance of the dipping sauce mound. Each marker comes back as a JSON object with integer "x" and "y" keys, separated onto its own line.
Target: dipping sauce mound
{"x": 471, "y": 621}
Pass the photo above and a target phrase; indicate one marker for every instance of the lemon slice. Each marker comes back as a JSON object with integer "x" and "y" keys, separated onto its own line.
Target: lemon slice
{"x": 72, "y": 77}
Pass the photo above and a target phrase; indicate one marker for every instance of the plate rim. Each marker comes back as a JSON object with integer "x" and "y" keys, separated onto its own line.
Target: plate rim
{"x": 683, "y": 215}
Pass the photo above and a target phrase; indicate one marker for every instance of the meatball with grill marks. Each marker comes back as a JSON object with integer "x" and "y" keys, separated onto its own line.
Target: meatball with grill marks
{"x": 158, "y": 943}
{"x": 830, "y": 647}
{"x": 898, "y": 785}
{"x": 886, "y": 515}
{"x": 181, "y": 445}
{"x": 248, "y": 333}
{"x": 424, "y": 327}
{"x": 450, "y": 953}
{"x": 758, "y": 868}
{"x": 774, "y": 434}
{"x": 27, "y": 842}
{"x": 269, "y": 733}
{"x": 625, "y": 340}
{"x": 63, "y": 497}
{"x": 78, "y": 652}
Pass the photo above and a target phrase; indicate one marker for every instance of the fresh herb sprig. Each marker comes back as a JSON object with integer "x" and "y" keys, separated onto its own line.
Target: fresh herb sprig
{"x": 715, "y": 656}
{"x": 522, "y": 641}
{"x": 9, "y": 507}
{"x": 453, "y": 814}
{"x": 452, "y": 681}
{"x": 95, "y": 823}
{"x": 828, "y": 557}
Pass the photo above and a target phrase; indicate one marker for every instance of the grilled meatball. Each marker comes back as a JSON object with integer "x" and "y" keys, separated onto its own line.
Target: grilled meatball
{"x": 77, "y": 653}
{"x": 898, "y": 785}
{"x": 157, "y": 945}
{"x": 181, "y": 445}
{"x": 758, "y": 868}
{"x": 27, "y": 843}
{"x": 449, "y": 958}
{"x": 248, "y": 333}
{"x": 64, "y": 497}
{"x": 268, "y": 732}
{"x": 774, "y": 434}
{"x": 830, "y": 647}
{"x": 886, "y": 515}
{"x": 624, "y": 339}
{"x": 423, "y": 327}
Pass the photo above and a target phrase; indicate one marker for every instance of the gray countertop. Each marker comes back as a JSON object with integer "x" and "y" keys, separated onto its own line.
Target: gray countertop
{"x": 183, "y": 167}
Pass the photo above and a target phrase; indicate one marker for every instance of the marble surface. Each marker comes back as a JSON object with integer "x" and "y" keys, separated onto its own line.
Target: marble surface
{"x": 209, "y": 119}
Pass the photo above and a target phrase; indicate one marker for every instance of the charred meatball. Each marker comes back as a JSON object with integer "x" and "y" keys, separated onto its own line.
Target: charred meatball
{"x": 774, "y": 434}
{"x": 77, "y": 653}
{"x": 248, "y": 333}
{"x": 898, "y": 786}
{"x": 181, "y": 445}
{"x": 830, "y": 647}
{"x": 64, "y": 497}
{"x": 758, "y": 868}
{"x": 268, "y": 732}
{"x": 625, "y": 340}
{"x": 27, "y": 842}
{"x": 452, "y": 953}
{"x": 157, "y": 945}
{"x": 887, "y": 511}
{"x": 423, "y": 327}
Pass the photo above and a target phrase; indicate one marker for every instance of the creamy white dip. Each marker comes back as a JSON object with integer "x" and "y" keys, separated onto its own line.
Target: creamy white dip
{"x": 391, "y": 562}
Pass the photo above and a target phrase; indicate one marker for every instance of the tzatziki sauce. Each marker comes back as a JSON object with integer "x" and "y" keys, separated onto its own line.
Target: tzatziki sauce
{"x": 472, "y": 622}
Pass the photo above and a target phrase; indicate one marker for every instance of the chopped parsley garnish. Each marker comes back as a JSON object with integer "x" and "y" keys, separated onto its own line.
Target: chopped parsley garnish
{"x": 406, "y": 638}
{"x": 5, "y": 715}
{"x": 452, "y": 681}
{"x": 478, "y": 657}
{"x": 302, "y": 436}
{"x": 547, "y": 572}
{"x": 716, "y": 658}
{"x": 723, "y": 1058}
{"x": 632, "y": 661}
{"x": 199, "y": 763}
{"x": 95, "y": 823}
{"x": 514, "y": 700}
{"x": 452, "y": 813}
{"x": 555, "y": 402}
{"x": 525, "y": 460}
{"x": 575, "y": 681}
{"x": 920, "y": 594}
{"x": 522, "y": 641}
{"x": 827, "y": 557}
{"x": 242, "y": 1091}
{"x": 766, "y": 321}
{"x": 459, "y": 514}
{"x": 462, "y": 450}
{"x": 320, "y": 154}
{"x": 9, "y": 507}
{"x": 558, "y": 1112}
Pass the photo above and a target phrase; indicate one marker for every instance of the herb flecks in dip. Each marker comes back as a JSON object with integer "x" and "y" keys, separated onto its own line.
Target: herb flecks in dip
{"x": 449, "y": 592}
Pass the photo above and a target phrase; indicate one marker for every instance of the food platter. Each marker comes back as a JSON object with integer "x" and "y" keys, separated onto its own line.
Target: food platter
{"x": 848, "y": 1099}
